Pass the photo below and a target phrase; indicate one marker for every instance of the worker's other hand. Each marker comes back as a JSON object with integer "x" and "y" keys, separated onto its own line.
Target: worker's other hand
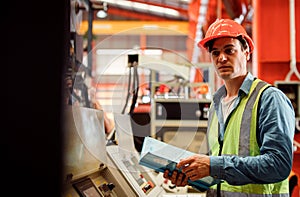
{"x": 176, "y": 178}
{"x": 195, "y": 167}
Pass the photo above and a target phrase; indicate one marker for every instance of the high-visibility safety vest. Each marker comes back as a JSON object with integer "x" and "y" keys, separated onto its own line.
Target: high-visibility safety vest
{"x": 241, "y": 127}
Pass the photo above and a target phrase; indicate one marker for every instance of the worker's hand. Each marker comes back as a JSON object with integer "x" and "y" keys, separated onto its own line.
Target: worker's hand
{"x": 195, "y": 167}
{"x": 177, "y": 178}
{"x": 97, "y": 105}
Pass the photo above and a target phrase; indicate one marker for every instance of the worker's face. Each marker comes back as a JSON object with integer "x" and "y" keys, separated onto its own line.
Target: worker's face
{"x": 229, "y": 60}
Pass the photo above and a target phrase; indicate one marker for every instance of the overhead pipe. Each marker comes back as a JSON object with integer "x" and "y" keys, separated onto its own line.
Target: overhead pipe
{"x": 219, "y": 9}
{"x": 293, "y": 66}
{"x": 199, "y": 34}
{"x": 90, "y": 38}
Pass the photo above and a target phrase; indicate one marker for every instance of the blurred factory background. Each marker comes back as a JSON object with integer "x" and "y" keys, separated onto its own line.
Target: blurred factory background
{"x": 135, "y": 57}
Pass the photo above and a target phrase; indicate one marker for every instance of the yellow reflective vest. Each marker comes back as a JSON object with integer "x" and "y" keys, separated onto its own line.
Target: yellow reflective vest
{"x": 242, "y": 128}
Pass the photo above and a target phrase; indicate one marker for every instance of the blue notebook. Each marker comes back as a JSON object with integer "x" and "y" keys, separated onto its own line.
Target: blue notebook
{"x": 160, "y": 156}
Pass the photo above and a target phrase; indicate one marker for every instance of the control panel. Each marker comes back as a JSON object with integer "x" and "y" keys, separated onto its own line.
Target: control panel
{"x": 181, "y": 110}
{"x": 96, "y": 184}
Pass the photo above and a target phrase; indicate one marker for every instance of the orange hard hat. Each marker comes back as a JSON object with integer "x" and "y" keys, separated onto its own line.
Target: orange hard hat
{"x": 225, "y": 28}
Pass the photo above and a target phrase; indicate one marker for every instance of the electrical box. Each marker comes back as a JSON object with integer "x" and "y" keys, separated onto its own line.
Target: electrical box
{"x": 175, "y": 119}
{"x": 292, "y": 91}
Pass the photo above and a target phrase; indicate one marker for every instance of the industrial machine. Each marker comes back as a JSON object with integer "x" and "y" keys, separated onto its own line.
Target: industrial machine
{"x": 96, "y": 166}
{"x": 85, "y": 170}
{"x": 292, "y": 91}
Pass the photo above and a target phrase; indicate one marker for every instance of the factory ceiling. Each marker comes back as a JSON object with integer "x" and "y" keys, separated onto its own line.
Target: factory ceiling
{"x": 171, "y": 10}
{"x": 178, "y": 10}
{"x": 147, "y": 9}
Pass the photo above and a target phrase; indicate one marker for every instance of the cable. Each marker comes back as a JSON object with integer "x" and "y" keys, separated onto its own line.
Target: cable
{"x": 135, "y": 90}
{"x": 128, "y": 91}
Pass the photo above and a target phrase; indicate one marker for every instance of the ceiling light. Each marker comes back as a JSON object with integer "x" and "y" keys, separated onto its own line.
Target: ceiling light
{"x": 144, "y": 7}
{"x": 141, "y": 6}
{"x": 101, "y": 14}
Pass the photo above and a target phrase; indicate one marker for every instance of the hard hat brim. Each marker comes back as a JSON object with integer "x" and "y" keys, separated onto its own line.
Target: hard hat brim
{"x": 203, "y": 42}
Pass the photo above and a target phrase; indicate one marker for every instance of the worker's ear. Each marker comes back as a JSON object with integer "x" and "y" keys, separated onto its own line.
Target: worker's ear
{"x": 247, "y": 54}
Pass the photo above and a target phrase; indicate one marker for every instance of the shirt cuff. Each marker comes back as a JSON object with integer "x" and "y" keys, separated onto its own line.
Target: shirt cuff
{"x": 216, "y": 167}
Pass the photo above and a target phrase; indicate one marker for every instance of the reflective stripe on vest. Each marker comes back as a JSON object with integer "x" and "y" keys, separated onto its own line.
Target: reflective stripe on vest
{"x": 244, "y": 143}
{"x": 213, "y": 193}
{"x": 242, "y": 119}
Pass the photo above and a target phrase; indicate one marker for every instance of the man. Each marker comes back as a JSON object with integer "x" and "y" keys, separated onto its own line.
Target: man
{"x": 250, "y": 128}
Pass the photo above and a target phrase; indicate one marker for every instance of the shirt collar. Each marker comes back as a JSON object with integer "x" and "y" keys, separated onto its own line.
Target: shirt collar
{"x": 246, "y": 85}
{"x": 245, "y": 88}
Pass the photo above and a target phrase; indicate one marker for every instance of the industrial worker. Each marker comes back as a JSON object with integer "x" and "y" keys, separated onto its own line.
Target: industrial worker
{"x": 251, "y": 124}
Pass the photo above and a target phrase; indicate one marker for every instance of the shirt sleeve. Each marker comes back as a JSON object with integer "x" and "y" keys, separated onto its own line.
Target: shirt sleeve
{"x": 275, "y": 134}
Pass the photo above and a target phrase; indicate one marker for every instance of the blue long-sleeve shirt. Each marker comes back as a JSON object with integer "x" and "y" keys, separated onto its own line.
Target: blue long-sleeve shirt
{"x": 276, "y": 127}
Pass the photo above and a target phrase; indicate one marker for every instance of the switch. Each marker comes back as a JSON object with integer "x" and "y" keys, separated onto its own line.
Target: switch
{"x": 111, "y": 186}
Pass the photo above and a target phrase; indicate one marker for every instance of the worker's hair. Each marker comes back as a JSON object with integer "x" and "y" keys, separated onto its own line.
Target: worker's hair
{"x": 243, "y": 41}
